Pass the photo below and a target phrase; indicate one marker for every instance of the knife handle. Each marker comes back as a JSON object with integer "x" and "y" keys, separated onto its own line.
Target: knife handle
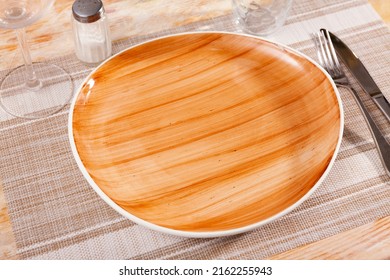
{"x": 380, "y": 141}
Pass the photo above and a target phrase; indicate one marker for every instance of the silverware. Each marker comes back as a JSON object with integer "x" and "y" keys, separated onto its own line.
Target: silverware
{"x": 328, "y": 59}
{"x": 354, "y": 64}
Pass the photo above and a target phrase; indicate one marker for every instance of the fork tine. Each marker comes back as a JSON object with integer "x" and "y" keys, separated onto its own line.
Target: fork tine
{"x": 321, "y": 54}
{"x": 317, "y": 44}
{"x": 333, "y": 54}
{"x": 328, "y": 53}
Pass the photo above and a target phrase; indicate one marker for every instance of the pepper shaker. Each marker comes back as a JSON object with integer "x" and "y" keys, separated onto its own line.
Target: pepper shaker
{"x": 91, "y": 31}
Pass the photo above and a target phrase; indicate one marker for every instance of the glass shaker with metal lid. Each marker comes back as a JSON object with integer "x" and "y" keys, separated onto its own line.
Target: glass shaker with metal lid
{"x": 91, "y": 31}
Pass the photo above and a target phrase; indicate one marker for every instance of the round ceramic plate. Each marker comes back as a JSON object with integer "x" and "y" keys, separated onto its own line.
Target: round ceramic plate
{"x": 206, "y": 134}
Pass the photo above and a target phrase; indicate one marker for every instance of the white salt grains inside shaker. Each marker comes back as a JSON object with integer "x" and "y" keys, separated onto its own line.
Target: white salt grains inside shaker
{"x": 91, "y": 31}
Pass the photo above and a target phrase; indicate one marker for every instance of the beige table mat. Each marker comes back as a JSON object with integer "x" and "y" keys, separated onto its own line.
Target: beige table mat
{"x": 56, "y": 215}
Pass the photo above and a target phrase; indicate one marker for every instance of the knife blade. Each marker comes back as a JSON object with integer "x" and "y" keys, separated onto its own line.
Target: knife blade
{"x": 359, "y": 71}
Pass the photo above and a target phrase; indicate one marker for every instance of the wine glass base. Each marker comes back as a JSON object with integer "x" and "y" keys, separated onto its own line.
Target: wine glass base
{"x": 19, "y": 101}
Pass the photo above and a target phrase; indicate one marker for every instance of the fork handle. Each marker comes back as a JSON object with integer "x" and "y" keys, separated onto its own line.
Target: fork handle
{"x": 380, "y": 141}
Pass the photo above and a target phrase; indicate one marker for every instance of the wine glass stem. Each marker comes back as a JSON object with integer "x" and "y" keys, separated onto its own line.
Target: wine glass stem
{"x": 32, "y": 83}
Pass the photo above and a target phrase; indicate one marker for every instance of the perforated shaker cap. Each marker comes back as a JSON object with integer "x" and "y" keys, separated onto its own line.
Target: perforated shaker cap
{"x": 87, "y": 11}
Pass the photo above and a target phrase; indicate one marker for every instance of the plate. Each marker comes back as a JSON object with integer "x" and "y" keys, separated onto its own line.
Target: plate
{"x": 206, "y": 134}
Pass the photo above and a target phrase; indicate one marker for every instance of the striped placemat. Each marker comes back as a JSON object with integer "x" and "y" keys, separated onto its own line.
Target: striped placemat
{"x": 56, "y": 215}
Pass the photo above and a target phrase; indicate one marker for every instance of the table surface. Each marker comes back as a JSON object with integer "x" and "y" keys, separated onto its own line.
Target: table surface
{"x": 370, "y": 240}
{"x": 383, "y": 9}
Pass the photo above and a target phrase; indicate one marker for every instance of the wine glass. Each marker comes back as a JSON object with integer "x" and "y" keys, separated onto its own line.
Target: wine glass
{"x": 34, "y": 90}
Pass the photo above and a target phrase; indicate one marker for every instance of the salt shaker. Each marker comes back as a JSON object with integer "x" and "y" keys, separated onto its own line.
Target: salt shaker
{"x": 91, "y": 31}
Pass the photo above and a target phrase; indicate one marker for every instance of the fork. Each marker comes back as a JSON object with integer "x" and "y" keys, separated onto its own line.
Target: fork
{"x": 328, "y": 59}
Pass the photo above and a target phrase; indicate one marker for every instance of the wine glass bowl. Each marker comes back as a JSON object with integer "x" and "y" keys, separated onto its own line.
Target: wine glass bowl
{"x": 34, "y": 90}
{"x": 19, "y": 14}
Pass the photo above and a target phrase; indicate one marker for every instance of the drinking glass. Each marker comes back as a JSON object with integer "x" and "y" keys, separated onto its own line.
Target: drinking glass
{"x": 34, "y": 90}
{"x": 260, "y": 17}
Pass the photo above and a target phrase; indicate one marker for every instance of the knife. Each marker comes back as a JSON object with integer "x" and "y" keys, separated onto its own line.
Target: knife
{"x": 361, "y": 74}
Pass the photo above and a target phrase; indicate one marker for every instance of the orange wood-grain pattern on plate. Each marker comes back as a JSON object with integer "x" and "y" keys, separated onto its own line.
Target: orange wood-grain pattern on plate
{"x": 206, "y": 132}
